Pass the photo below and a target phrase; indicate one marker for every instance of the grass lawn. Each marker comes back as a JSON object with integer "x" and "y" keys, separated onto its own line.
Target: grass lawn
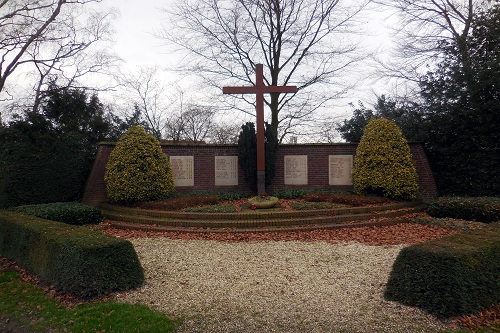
{"x": 31, "y": 307}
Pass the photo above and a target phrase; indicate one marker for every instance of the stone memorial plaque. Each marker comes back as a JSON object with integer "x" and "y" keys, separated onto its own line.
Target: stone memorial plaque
{"x": 183, "y": 170}
{"x": 340, "y": 169}
{"x": 226, "y": 170}
{"x": 296, "y": 170}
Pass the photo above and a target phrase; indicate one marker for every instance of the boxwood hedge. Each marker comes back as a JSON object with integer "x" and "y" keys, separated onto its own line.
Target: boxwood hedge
{"x": 73, "y": 259}
{"x": 68, "y": 212}
{"x": 452, "y": 276}
{"x": 481, "y": 209}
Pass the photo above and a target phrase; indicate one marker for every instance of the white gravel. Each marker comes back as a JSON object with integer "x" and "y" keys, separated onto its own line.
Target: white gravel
{"x": 274, "y": 287}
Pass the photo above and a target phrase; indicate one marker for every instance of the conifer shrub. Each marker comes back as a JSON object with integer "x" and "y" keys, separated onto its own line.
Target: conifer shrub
{"x": 247, "y": 154}
{"x": 137, "y": 169}
{"x": 383, "y": 163}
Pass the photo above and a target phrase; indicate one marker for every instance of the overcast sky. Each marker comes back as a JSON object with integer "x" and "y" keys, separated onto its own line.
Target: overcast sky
{"x": 134, "y": 31}
{"x": 138, "y": 20}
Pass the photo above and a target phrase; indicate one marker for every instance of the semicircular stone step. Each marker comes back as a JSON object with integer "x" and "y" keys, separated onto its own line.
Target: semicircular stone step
{"x": 149, "y": 219}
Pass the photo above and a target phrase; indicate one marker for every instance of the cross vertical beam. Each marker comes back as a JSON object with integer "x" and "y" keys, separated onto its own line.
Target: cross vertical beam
{"x": 260, "y": 129}
{"x": 259, "y": 89}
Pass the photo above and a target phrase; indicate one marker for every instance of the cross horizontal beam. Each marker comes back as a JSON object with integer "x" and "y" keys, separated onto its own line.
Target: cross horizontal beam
{"x": 261, "y": 89}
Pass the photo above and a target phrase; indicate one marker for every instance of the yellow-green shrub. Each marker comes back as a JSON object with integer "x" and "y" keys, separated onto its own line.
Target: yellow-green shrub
{"x": 383, "y": 163}
{"x": 137, "y": 169}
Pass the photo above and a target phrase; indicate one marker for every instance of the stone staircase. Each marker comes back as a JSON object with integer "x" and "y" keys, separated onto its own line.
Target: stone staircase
{"x": 258, "y": 220}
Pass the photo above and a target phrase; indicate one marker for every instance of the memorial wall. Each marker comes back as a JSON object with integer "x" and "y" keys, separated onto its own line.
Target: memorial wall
{"x": 215, "y": 168}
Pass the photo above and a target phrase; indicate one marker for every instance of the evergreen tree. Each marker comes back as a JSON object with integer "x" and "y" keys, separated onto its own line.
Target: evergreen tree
{"x": 463, "y": 102}
{"x": 459, "y": 116}
{"x": 247, "y": 154}
{"x": 408, "y": 115}
{"x": 46, "y": 156}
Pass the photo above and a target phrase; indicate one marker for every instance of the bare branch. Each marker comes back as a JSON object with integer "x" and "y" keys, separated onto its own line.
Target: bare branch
{"x": 424, "y": 26}
{"x": 55, "y": 38}
{"x": 297, "y": 41}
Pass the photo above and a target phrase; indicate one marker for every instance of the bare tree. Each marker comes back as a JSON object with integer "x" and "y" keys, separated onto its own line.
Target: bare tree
{"x": 224, "y": 133}
{"x": 49, "y": 35}
{"x": 424, "y": 25}
{"x": 198, "y": 121}
{"x": 148, "y": 92}
{"x": 76, "y": 53}
{"x": 300, "y": 42}
{"x": 175, "y": 127}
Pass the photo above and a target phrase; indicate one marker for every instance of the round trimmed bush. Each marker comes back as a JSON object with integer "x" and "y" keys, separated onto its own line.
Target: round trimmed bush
{"x": 383, "y": 163}
{"x": 137, "y": 169}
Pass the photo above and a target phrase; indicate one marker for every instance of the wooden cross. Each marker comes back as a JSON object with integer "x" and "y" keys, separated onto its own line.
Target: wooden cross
{"x": 259, "y": 90}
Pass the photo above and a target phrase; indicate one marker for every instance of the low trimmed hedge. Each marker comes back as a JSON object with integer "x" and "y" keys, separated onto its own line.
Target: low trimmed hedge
{"x": 451, "y": 276}
{"x": 74, "y": 259}
{"x": 481, "y": 209}
{"x": 67, "y": 212}
{"x": 354, "y": 200}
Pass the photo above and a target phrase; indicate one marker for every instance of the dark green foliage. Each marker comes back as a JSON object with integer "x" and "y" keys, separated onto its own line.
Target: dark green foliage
{"x": 458, "y": 116}
{"x": 46, "y": 156}
{"x": 451, "y": 276}
{"x": 73, "y": 111}
{"x": 463, "y": 101}
{"x": 346, "y": 199}
{"x": 305, "y": 205}
{"x": 73, "y": 259}
{"x": 351, "y": 129}
{"x": 406, "y": 114}
{"x": 39, "y": 165}
{"x": 247, "y": 154}
{"x": 178, "y": 202}
{"x": 66, "y": 212}
{"x": 271, "y": 146}
{"x": 481, "y": 209}
{"x": 290, "y": 193}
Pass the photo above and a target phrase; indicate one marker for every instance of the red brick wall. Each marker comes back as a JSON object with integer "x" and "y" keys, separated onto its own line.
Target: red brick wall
{"x": 204, "y": 168}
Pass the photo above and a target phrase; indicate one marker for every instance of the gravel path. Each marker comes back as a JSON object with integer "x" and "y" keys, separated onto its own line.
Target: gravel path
{"x": 273, "y": 286}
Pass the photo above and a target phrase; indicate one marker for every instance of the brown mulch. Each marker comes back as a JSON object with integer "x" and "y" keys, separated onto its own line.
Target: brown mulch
{"x": 403, "y": 233}
{"x": 485, "y": 318}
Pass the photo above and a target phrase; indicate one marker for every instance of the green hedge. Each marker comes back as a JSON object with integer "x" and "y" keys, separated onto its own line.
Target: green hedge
{"x": 481, "y": 209}
{"x": 73, "y": 259}
{"x": 39, "y": 166}
{"x": 66, "y": 212}
{"x": 452, "y": 276}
